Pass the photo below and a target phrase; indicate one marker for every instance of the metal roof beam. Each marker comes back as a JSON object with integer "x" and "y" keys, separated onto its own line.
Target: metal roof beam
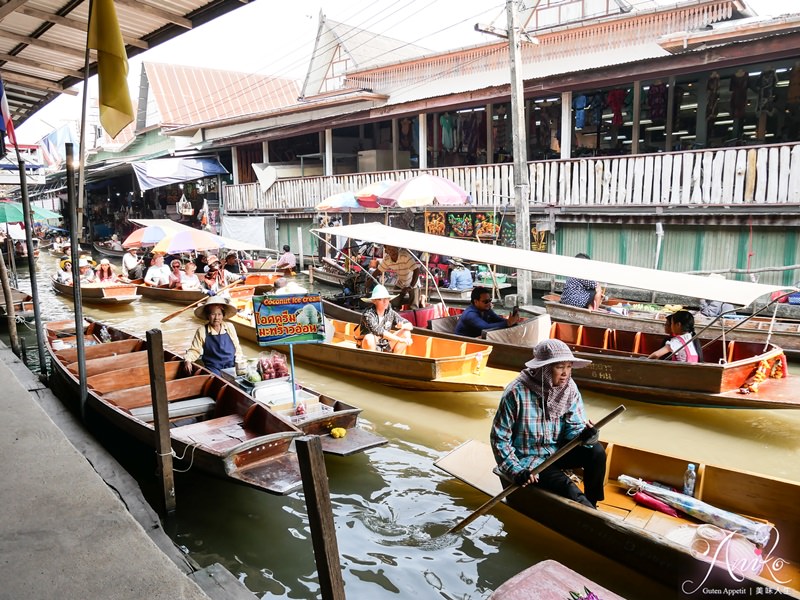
{"x": 36, "y": 83}
{"x": 32, "y": 41}
{"x": 75, "y": 24}
{"x": 14, "y": 59}
{"x": 160, "y": 13}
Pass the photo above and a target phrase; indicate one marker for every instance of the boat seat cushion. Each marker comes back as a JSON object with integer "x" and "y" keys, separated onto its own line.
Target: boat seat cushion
{"x": 528, "y": 333}
{"x": 178, "y": 408}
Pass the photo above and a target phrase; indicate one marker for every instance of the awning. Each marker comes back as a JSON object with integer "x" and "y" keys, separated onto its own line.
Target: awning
{"x": 164, "y": 171}
{"x": 175, "y": 227}
{"x": 726, "y": 290}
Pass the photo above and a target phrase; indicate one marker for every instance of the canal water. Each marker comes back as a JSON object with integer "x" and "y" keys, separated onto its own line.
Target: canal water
{"x": 392, "y": 506}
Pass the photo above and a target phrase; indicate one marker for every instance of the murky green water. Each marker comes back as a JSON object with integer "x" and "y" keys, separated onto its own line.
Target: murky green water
{"x": 392, "y": 506}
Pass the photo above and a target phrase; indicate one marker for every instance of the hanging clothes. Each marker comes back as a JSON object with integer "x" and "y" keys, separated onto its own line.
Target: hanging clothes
{"x": 448, "y": 123}
{"x": 712, "y": 107}
{"x": 616, "y": 100}
{"x": 406, "y": 125}
{"x": 579, "y": 106}
{"x": 766, "y": 92}
{"x": 597, "y": 102}
{"x": 657, "y": 101}
{"x": 738, "y": 88}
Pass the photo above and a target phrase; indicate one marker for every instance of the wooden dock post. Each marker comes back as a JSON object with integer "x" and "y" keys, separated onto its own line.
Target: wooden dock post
{"x": 158, "y": 391}
{"x": 320, "y": 516}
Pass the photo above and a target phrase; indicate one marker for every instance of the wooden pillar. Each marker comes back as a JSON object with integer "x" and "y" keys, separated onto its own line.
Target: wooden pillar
{"x": 566, "y": 125}
{"x": 235, "y": 164}
{"x": 701, "y": 124}
{"x": 265, "y": 152}
{"x": 422, "y": 135}
{"x": 158, "y": 391}
{"x": 489, "y": 140}
{"x": 670, "y": 126}
{"x": 395, "y": 144}
{"x": 637, "y": 116}
{"x": 436, "y": 140}
{"x": 328, "y": 171}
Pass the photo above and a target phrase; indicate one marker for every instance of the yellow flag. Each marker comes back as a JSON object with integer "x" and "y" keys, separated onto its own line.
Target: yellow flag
{"x": 116, "y": 110}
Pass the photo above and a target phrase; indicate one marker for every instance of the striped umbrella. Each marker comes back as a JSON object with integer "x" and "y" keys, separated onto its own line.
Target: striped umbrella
{"x": 188, "y": 241}
{"x": 424, "y": 190}
{"x": 146, "y": 236}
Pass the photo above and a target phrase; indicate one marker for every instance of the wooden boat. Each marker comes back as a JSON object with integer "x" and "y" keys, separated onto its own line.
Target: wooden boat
{"x": 255, "y": 283}
{"x": 550, "y": 580}
{"x": 93, "y": 293}
{"x": 785, "y": 334}
{"x": 106, "y": 250}
{"x": 432, "y": 364}
{"x": 23, "y": 305}
{"x": 462, "y": 296}
{"x": 215, "y": 425}
{"x": 657, "y": 545}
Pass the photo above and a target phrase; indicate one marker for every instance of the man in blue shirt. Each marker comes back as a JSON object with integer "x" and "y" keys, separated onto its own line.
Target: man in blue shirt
{"x": 479, "y": 316}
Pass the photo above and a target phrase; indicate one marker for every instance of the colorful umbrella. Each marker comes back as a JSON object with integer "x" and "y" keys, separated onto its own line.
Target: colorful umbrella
{"x": 146, "y": 236}
{"x": 424, "y": 190}
{"x": 337, "y": 202}
{"x": 756, "y": 532}
{"x": 369, "y": 194}
{"x": 11, "y": 212}
{"x": 188, "y": 241}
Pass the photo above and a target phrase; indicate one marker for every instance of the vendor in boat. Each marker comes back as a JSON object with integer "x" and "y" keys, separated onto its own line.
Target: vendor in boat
{"x": 189, "y": 279}
{"x": 105, "y": 273}
{"x": 287, "y": 262}
{"x": 215, "y": 342}
{"x": 132, "y": 266}
{"x": 479, "y": 316}
{"x": 681, "y": 347}
{"x": 85, "y": 270}
{"x": 406, "y": 267}
{"x": 157, "y": 273}
{"x": 714, "y": 308}
{"x": 540, "y": 411}
{"x": 583, "y": 293}
{"x": 381, "y": 328}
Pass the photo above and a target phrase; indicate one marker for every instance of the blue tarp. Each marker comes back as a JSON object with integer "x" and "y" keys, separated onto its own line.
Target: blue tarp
{"x": 165, "y": 171}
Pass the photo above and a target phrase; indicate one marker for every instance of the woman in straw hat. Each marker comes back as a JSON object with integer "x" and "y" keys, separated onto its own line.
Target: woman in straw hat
{"x": 64, "y": 274}
{"x": 539, "y": 412}
{"x": 215, "y": 342}
{"x": 381, "y": 328}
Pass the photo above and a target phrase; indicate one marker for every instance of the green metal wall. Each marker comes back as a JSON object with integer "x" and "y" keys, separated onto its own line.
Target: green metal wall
{"x": 287, "y": 234}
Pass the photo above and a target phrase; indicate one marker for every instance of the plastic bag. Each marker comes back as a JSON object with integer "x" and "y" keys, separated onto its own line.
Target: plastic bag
{"x": 272, "y": 365}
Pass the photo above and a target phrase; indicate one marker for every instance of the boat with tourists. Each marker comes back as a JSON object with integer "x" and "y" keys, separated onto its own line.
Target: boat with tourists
{"x": 113, "y": 294}
{"x": 739, "y": 531}
{"x": 214, "y": 424}
{"x": 254, "y": 283}
{"x": 734, "y": 374}
{"x": 105, "y": 249}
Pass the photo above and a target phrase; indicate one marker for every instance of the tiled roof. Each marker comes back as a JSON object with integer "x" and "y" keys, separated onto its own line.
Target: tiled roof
{"x": 189, "y": 95}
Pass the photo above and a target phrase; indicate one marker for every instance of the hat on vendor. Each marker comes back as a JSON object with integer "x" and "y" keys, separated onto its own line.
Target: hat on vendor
{"x": 550, "y": 352}
{"x": 228, "y": 309}
{"x": 379, "y": 292}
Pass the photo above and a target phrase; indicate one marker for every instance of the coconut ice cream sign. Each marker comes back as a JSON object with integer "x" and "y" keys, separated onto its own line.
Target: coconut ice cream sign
{"x": 295, "y": 319}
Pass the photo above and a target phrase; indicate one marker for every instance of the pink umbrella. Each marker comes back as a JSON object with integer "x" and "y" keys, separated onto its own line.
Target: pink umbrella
{"x": 146, "y": 236}
{"x": 369, "y": 194}
{"x": 424, "y": 190}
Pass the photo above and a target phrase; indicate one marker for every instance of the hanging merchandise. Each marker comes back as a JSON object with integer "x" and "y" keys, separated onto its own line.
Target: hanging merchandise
{"x": 616, "y": 100}
{"x": 460, "y": 225}
{"x": 448, "y": 122}
{"x": 766, "y": 92}
{"x": 185, "y": 207}
{"x": 738, "y": 87}
{"x": 579, "y": 105}
{"x": 597, "y": 102}
{"x": 657, "y": 101}
{"x": 712, "y": 108}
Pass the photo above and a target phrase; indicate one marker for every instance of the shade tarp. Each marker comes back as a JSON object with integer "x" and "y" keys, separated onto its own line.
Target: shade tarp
{"x": 250, "y": 230}
{"x": 697, "y": 286}
{"x": 175, "y": 227}
{"x": 159, "y": 172}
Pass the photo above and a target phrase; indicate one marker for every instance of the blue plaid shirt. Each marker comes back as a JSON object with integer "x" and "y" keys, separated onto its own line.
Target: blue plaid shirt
{"x": 521, "y": 437}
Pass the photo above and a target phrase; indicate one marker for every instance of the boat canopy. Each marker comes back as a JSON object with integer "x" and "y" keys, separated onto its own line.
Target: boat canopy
{"x": 697, "y": 286}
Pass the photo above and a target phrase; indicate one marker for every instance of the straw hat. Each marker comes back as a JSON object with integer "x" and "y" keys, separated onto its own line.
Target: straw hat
{"x": 227, "y": 307}
{"x": 379, "y": 292}
{"x": 83, "y": 263}
{"x": 550, "y": 352}
{"x": 65, "y": 260}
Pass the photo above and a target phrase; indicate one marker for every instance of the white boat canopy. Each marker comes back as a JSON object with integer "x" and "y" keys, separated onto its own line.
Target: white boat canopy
{"x": 175, "y": 227}
{"x": 697, "y": 286}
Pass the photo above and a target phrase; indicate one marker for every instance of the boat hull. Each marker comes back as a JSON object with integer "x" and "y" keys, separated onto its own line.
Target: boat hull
{"x": 108, "y": 295}
{"x": 106, "y": 251}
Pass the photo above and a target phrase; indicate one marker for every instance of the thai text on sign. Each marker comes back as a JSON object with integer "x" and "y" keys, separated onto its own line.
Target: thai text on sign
{"x": 295, "y": 319}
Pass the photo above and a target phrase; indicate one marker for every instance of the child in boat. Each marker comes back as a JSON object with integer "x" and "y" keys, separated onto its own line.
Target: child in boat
{"x": 681, "y": 345}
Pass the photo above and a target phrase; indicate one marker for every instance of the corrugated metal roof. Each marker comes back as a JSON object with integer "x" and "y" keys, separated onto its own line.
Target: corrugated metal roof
{"x": 42, "y": 42}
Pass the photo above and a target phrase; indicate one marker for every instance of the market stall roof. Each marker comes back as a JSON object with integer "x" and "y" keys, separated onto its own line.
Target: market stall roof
{"x": 175, "y": 227}
{"x": 165, "y": 171}
{"x": 42, "y": 42}
{"x": 696, "y": 286}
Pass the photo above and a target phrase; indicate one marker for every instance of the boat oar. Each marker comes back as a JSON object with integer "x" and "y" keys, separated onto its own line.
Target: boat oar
{"x": 541, "y": 467}
{"x": 196, "y": 302}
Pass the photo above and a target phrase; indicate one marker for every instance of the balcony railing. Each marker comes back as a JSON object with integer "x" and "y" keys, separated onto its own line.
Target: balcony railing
{"x": 727, "y": 176}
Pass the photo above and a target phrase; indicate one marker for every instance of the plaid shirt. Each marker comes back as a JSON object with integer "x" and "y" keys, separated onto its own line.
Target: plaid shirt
{"x": 373, "y": 323}
{"x": 522, "y": 438}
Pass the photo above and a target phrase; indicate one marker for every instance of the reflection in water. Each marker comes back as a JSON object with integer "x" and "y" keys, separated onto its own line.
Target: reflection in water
{"x": 392, "y": 507}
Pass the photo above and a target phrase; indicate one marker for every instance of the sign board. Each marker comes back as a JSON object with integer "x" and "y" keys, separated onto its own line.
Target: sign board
{"x": 293, "y": 319}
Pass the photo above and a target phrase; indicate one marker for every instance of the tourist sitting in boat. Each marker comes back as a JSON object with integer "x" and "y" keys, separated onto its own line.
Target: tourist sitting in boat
{"x": 86, "y": 273}
{"x": 64, "y": 274}
{"x": 287, "y": 261}
{"x": 132, "y": 267}
{"x": 583, "y": 293}
{"x": 233, "y": 264}
{"x": 681, "y": 347}
{"x": 189, "y": 279}
{"x": 215, "y": 342}
{"x": 539, "y": 412}
{"x": 460, "y": 277}
{"x": 175, "y": 274}
{"x": 20, "y": 249}
{"x": 105, "y": 273}
{"x": 158, "y": 273}
{"x": 381, "y": 328}
{"x": 714, "y": 308}
{"x": 406, "y": 268}
{"x": 217, "y": 278}
{"x": 479, "y": 316}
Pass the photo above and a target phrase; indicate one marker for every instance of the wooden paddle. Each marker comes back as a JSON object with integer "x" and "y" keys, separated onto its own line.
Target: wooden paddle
{"x": 542, "y": 466}
{"x": 195, "y": 303}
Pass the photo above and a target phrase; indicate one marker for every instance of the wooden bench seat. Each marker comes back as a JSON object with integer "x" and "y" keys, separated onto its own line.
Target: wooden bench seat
{"x": 111, "y": 363}
{"x": 177, "y": 389}
{"x": 191, "y": 407}
{"x": 127, "y": 377}
{"x": 70, "y": 355}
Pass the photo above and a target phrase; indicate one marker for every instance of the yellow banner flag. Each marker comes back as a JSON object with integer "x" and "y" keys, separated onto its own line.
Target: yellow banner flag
{"x": 116, "y": 110}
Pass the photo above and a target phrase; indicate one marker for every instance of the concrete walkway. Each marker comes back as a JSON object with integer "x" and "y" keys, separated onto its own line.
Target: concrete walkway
{"x": 64, "y": 529}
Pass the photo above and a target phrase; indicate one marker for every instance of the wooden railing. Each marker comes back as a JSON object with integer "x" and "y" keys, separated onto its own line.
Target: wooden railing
{"x": 752, "y": 174}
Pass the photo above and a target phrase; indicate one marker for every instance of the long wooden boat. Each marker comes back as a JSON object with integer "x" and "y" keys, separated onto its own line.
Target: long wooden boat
{"x": 92, "y": 293}
{"x": 783, "y": 333}
{"x": 550, "y": 580}
{"x": 164, "y": 294}
{"x": 215, "y": 425}
{"x": 105, "y": 250}
{"x": 23, "y": 305}
{"x": 432, "y": 364}
{"x": 660, "y": 546}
